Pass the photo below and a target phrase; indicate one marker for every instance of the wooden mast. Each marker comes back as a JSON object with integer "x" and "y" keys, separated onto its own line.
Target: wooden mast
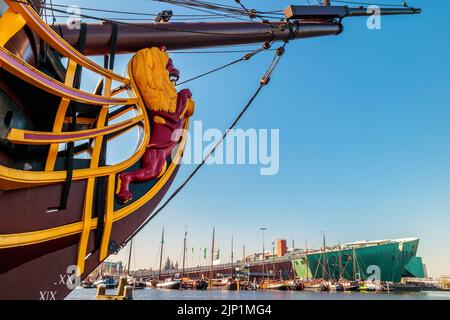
{"x": 341, "y": 271}
{"x": 161, "y": 254}
{"x": 324, "y": 263}
{"x": 184, "y": 251}
{"x": 263, "y": 255}
{"x": 306, "y": 256}
{"x": 212, "y": 258}
{"x": 129, "y": 257}
{"x": 232, "y": 257}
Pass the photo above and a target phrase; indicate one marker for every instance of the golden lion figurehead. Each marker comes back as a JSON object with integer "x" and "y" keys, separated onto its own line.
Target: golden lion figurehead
{"x": 149, "y": 70}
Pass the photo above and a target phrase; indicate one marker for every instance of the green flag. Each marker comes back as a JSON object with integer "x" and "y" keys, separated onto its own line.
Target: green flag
{"x": 204, "y": 253}
{"x": 217, "y": 256}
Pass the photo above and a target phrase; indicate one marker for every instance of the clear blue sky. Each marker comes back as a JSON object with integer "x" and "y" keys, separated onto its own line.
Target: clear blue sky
{"x": 364, "y": 122}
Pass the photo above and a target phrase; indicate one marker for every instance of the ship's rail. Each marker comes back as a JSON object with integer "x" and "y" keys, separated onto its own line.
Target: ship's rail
{"x": 15, "y": 18}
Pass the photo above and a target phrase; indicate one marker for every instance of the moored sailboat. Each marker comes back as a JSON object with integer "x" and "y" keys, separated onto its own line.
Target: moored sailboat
{"x": 276, "y": 285}
{"x": 169, "y": 283}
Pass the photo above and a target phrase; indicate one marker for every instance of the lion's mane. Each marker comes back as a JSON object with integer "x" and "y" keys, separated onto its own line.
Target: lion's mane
{"x": 152, "y": 79}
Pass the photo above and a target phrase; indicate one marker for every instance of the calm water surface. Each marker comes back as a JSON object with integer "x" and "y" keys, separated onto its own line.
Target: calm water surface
{"x": 162, "y": 294}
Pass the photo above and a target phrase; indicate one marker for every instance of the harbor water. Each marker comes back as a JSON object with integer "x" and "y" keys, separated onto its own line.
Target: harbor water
{"x": 162, "y": 294}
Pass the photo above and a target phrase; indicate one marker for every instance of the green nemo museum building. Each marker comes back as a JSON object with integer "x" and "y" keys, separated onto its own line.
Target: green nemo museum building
{"x": 385, "y": 260}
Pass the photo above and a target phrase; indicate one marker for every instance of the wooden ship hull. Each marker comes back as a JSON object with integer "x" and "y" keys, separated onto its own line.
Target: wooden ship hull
{"x": 172, "y": 284}
{"x": 59, "y": 217}
{"x": 52, "y": 219}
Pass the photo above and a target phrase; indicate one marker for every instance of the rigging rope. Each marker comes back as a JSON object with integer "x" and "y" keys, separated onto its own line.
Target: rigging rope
{"x": 212, "y": 51}
{"x": 53, "y": 13}
{"x": 152, "y": 27}
{"x": 206, "y": 5}
{"x": 195, "y": 5}
{"x": 144, "y": 19}
{"x": 207, "y": 11}
{"x": 263, "y": 82}
{"x": 251, "y": 13}
{"x": 229, "y": 7}
{"x": 133, "y": 13}
{"x": 245, "y": 57}
{"x": 373, "y": 3}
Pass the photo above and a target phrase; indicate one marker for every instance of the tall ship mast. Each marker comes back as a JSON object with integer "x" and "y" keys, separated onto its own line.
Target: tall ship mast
{"x": 65, "y": 207}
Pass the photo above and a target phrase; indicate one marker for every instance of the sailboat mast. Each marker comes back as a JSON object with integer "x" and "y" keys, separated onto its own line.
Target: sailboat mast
{"x": 263, "y": 255}
{"x": 212, "y": 257}
{"x": 129, "y": 257}
{"x": 184, "y": 251}
{"x": 341, "y": 272}
{"x": 354, "y": 264}
{"x": 232, "y": 256}
{"x": 306, "y": 256}
{"x": 324, "y": 264}
{"x": 161, "y": 254}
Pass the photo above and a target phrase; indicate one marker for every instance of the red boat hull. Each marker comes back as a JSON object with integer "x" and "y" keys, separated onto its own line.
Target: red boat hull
{"x": 40, "y": 271}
